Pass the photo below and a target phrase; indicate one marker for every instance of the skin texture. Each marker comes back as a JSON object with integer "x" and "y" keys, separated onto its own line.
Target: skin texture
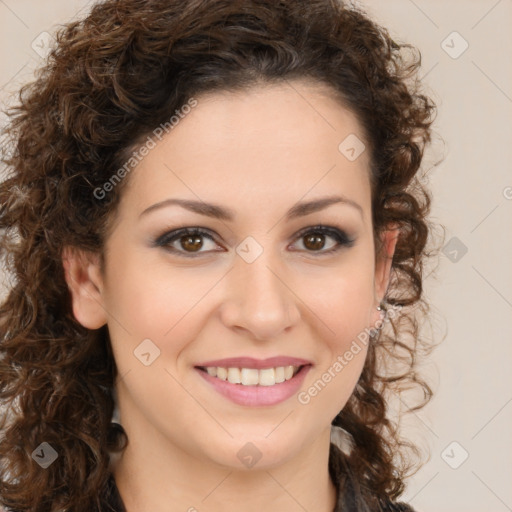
{"x": 257, "y": 153}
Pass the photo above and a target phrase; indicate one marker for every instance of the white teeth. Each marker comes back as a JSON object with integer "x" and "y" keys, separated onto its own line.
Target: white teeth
{"x": 267, "y": 377}
{"x": 288, "y": 372}
{"x": 252, "y": 376}
{"x": 222, "y": 373}
{"x": 234, "y": 375}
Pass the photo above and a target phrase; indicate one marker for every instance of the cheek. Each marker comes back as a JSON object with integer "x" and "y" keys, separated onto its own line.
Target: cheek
{"x": 341, "y": 355}
{"x": 343, "y": 300}
{"x": 155, "y": 302}
{"x": 343, "y": 311}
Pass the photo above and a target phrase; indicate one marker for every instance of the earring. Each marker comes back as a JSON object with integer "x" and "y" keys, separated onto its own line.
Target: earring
{"x": 381, "y": 307}
{"x": 383, "y": 313}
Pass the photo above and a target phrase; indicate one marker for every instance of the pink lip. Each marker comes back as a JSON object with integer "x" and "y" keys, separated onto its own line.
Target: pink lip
{"x": 257, "y": 395}
{"x": 249, "y": 362}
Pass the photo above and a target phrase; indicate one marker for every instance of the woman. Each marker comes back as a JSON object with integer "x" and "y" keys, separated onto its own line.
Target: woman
{"x": 216, "y": 234}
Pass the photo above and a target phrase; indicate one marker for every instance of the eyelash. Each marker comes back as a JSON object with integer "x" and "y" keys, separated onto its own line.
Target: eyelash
{"x": 338, "y": 235}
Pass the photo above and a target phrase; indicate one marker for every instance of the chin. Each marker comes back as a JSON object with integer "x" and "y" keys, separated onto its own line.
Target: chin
{"x": 252, "y": 453}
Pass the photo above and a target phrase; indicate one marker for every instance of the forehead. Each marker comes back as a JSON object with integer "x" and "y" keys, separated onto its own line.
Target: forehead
{"x": 267, "y": 144}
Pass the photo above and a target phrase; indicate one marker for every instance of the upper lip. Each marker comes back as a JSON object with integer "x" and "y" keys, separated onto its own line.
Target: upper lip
{"x": 249, "y": 362}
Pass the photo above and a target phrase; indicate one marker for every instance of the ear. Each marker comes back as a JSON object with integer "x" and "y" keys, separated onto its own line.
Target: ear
{"x": 383, "y": 261}
{"x": 83, "y": 275}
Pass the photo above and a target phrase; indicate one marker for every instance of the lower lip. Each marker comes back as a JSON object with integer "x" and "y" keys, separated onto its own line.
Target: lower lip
{"x": 257, "y": 395}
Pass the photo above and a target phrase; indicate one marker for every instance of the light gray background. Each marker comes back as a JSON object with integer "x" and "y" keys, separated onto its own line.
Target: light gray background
{"x": 471, "y": 293}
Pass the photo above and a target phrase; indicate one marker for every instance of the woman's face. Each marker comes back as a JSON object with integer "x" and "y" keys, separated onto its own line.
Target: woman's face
{"x": 259, "y": 282}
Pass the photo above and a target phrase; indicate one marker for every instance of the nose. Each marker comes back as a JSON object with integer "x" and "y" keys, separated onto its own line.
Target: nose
{"x": 258, "y": 299}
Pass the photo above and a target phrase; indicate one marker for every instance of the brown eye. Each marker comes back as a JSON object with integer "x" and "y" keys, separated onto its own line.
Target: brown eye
{"x": 191, "y": 242}
{"x": 314, "y": 239}
{"x": 314, "y": 242}
{"x": 185, "y": 241}
{"x": 188, "y": 242}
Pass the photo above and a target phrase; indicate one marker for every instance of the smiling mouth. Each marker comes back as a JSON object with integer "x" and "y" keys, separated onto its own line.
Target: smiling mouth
{"x": 253, "y": 376}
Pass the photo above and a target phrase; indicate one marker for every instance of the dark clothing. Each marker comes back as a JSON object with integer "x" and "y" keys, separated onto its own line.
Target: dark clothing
{"x": 339, "y": 473}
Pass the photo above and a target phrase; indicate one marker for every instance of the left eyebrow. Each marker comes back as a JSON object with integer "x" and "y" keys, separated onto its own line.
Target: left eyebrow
{"x": 219, "y": 212}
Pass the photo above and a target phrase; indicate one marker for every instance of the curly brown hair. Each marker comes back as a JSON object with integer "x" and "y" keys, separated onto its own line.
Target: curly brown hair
{"x": 108, "y": 82}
